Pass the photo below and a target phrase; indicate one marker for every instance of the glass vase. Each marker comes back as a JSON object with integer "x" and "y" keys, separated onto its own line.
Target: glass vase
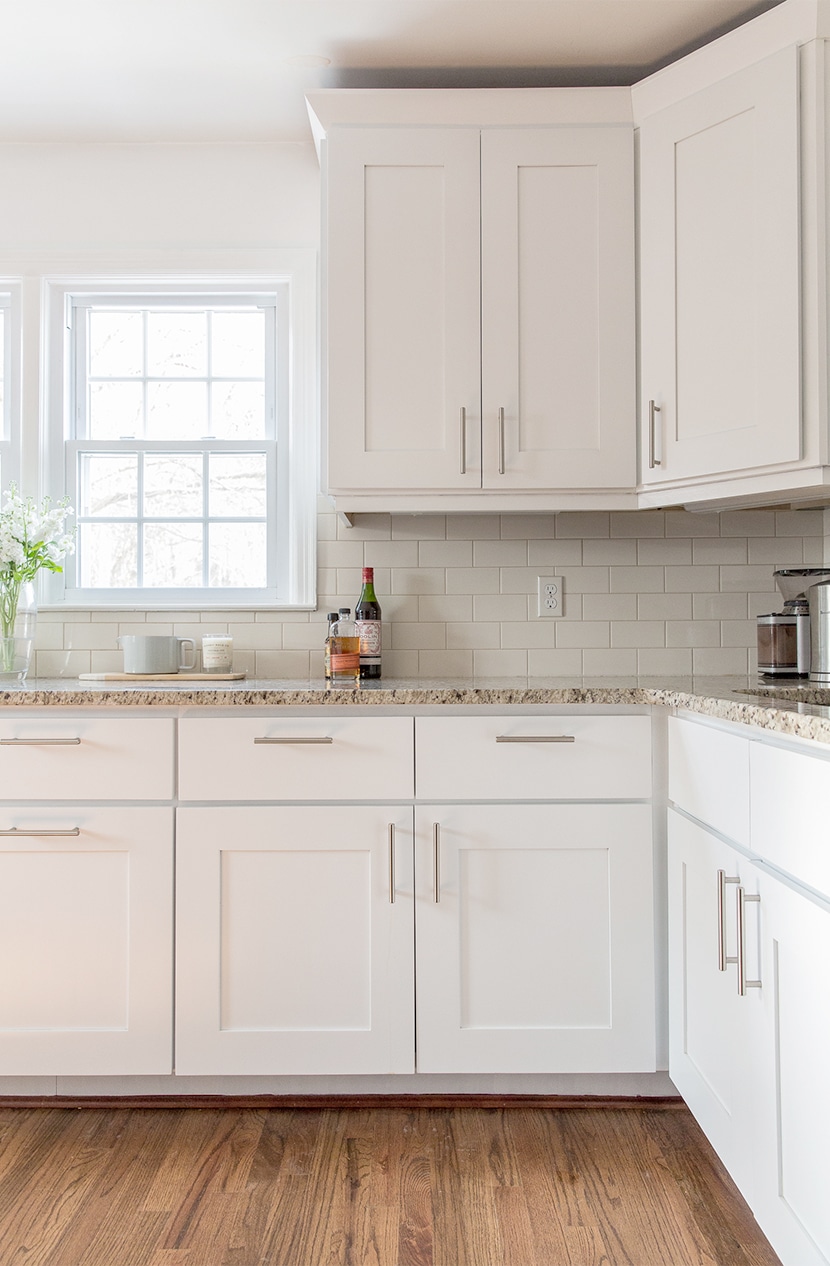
{"x": 18, "y": 622}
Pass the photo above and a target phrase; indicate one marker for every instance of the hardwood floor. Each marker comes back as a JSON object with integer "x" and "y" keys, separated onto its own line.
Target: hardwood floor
{"x": 413, "y": 1185}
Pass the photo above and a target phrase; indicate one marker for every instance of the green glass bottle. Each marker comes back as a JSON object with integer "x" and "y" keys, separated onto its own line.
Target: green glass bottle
{"x": 367, "y": 619}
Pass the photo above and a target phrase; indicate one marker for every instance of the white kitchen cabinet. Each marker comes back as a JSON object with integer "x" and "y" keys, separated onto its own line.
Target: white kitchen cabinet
{"x": 86, "y": 939}
{"x": 791, "y": 1107}
{"x": 535, "y": 944}
{"x": 294, "y": 939}
{"x": 750, "y": 1062}
{"x": 713, "y": 1061}
{"x": 479, "y": 310}
{"x": 86, "y": 893}
{"x": 719, "y": 285}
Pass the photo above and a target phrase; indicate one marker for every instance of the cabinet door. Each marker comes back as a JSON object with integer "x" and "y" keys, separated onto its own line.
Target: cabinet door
{"x": 535, "y": 941}
{"x": 791, "y": 1105}
{"x": 294, "y": 940}
{"x": 712, "y": 1058}
{"x": 558, "y": 349}
{"x": 403, "y": 323}
{"x": 86, "y": 940}
{"x": 719, "y": 250}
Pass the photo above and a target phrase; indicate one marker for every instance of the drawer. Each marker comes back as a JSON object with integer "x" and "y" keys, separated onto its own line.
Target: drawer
{"x": 296, "y": 758}
{"x": 709, "y": 776}
{"x": 572, "y": 757}
{"x": 81, "y": 757}
{"x": 790, "y": 809}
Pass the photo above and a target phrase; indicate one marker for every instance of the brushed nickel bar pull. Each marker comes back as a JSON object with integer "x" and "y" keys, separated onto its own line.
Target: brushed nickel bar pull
{"x": 743, "y": 983}
{"x": 535, "y": 738}
{"x": 723, "y": 880}
{"x": 17, "y": 831}
{"x": 463, "y": 441}
{"x": 501, "y": 441}
{"x": 392, "y": 863}
{"x": 653, "y": 459}
{"x": 43, "y": 742}
{"x": 323, "y": 738}
{"x": 436, "y": 862}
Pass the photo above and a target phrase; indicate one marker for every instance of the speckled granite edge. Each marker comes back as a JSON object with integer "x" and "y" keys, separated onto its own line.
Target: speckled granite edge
{"x": 795, "y": 711}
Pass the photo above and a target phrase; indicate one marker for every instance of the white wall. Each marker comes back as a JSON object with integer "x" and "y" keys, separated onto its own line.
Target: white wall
{"x": 647, "y": 593}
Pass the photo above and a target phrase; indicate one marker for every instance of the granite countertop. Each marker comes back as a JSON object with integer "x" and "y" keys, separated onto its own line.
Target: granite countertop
{"x": 798, "y": 710}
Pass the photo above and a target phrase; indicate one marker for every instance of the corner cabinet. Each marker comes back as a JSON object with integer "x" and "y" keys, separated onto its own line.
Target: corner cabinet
{"x": 479, "y": 300}
{"x": 749, "y": 941}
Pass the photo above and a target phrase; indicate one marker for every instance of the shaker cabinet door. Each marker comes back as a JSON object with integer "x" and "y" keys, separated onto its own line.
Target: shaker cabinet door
{"x": 719, "y": 285}
{"x": 294, "y": 940}
{"x": 403, "y": 380}
{"x": 535, "y": 947}
{"x": 557, "y": 277}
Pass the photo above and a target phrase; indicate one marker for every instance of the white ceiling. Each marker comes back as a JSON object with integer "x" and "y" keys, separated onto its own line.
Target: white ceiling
{"x": 219, "y": 69}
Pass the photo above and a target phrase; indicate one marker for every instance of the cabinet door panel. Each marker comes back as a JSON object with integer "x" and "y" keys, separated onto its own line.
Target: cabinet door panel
{"x": 86, "y": 926}
{"x": 792, "y": 1104}
{"x": 292, "y": 956}
{"x": 719, "y": 243}
{"x": 711, "y": 1057}
{"x": 535, "y": 939}
{"x": 403, "y": 340}
{"x": 558, "y": 307}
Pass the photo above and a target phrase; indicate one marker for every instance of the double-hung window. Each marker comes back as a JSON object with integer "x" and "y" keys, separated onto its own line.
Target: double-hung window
{"x": 9, "y": 384}
{"x": 177, "y": 438}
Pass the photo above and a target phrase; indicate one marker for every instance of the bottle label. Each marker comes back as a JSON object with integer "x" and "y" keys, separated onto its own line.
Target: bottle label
{"x": 369, "y": 633}
{"x": 345, "y": 661}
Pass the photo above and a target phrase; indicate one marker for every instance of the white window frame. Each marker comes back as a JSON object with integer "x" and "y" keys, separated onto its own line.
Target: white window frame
{"x": 10, "y": 303}
{"x": 292, "y": 452}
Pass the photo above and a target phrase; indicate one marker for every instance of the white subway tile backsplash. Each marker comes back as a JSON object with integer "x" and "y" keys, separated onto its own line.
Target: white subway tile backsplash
{"x": 654, "y": 592}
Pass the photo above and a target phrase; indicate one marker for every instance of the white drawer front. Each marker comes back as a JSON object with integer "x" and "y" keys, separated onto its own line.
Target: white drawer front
{"x": 302, "y": 758}
{"x": 522, "y": 757}
{"x": 80, "y": 757}
{"x": 709, "y": 776}
{"x": 790, "y": 808}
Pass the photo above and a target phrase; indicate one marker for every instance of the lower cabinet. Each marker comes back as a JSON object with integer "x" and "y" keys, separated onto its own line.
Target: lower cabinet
{"x": 535, "y": 941}
{"x": 713, "y": 1060}
{"x": 749, "y": 1007}
{"x": 86, "y": 940}
{"x": 294, "y": 940}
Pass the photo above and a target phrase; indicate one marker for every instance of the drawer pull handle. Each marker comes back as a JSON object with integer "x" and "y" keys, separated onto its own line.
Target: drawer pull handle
{"x": 535, "y": 738}
{"x": 743, "y": 983}
{"x": 43, "y": 742}
{"x": 323, "y": 738}
{"x": 723, "y": 880}
{"x": 392, "y": 863}
{"x": 15, "y": 830}
{"x": 653, "y": 459}
{"x": 463, "y": 421}
{"x": 501, "y": 441}
{"x": 436, "y": 862}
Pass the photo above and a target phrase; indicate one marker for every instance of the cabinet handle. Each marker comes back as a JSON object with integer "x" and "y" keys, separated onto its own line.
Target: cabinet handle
{"x": 392, "y": 863}
{"x": 436, "y": 862}
{"x": 75, "y": 830}
{"x": 43, "y": 742}
{"x": 653, "y": 459}
{"x": 323, "y": 738}
{"x": 463, "y": 441}
{"x": 743, "y": 983}
{"x": 535, "y": 738}
{"x": 723, "y": 880}
{"x": 501, "y": 441}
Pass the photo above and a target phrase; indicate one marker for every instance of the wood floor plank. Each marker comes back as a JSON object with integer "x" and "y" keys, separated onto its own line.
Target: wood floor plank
{"x": 360, "y": 1186}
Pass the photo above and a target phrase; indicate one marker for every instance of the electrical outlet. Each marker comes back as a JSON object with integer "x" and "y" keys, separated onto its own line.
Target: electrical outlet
{"x": 550, "y": 592}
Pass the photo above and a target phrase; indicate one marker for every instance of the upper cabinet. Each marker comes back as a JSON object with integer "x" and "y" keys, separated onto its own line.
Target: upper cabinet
{"x": 479, "y": 300}
{"x": 719, "y": 296}
{"x": 733, "y": 289}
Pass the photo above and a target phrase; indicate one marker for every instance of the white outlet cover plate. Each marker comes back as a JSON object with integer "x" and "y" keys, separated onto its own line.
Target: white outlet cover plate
{"x": 550, "y": 597}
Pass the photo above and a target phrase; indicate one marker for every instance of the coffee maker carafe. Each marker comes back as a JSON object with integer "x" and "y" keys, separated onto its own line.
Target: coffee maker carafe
{"x": 784, "y": 636}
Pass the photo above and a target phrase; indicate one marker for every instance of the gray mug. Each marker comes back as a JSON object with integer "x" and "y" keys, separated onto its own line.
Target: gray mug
{"x": 144, "y": 654}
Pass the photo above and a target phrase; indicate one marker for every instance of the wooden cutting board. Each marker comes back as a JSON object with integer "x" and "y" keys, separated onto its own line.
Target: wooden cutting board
{"x": 160, "y": 676}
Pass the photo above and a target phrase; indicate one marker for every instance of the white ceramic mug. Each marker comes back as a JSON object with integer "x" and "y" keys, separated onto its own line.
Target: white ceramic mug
{"x": 156, "y": 654}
